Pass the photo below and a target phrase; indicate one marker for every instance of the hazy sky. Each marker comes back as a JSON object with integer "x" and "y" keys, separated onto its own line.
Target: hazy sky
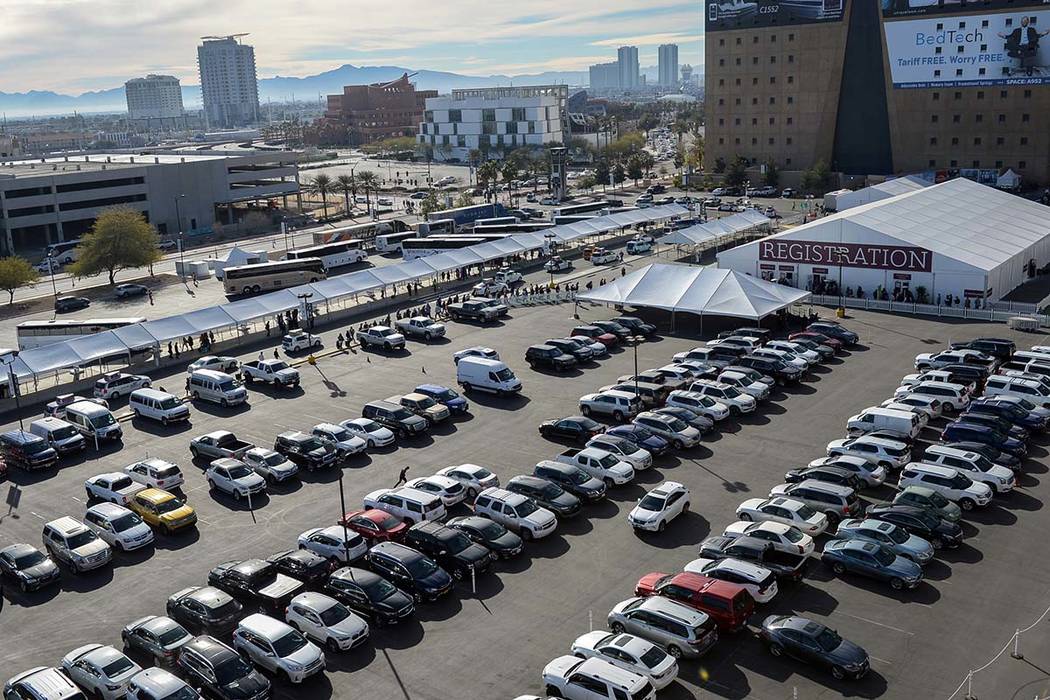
{"x": 75, "y": 46}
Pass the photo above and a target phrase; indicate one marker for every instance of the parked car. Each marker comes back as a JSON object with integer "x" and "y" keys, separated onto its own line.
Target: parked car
{"x": 659, "y": 506}
{"x": 101, "y": 670}
{"x": 67, "y": 304}
{"x": 680, "y": 630}
{"x": 872, "y": 560}
{"x": 934, "y": 501}
{"x": 630, "y": 653}
{"x": 570, "y": 677}
{"x": 896, "y": 539}
{"x": 28, "y": 567}
{"x": 326, "y": 621}
{"x": 370, "y": 595}
{"x": 156, "y": 636}
{"x": 728, "y": 604}
{"x": 948, "y": 482}
{"x": 813, "y": 643}
{"x": 919, "y": 521}
{"x": 503, "y": 543}
{"x": 786, "y": 538}
{"x": 413, "y": 572}
{"x": 219, "y": 670}
{"x": 255, "y": 581}
{"x": 786, "y": 511}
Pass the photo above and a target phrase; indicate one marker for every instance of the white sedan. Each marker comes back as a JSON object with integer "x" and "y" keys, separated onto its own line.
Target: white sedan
{"x": 784, "y": 510}
{"x": 794, "y": 348}
{"x": 334, "y": 543}
{"x": 219, "y": 363}
{"x": 630, "y": 653}
{"x": 757, "y": 580}
{"x": 476, "y": 351}
{"x": 115, "y": 487}
{"x": 371, "y": 432}
{"x": 101, "y": 670}
{"x": 919, "y": 403}
{"x": 449, "y": 490}
{"x": 326, "y": 621}
{"x": 474, "y": 478}
{"x": 659, "y": 507}
{"x": 786, "y": 538}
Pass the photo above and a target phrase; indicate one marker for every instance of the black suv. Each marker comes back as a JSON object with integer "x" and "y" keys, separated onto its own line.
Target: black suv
{"x": 497, "y": 539}
{"x": 547, "y": 494}
{"x": 636, "y": 325}
{"x": 578, "y": 350}
{"x": 305, "y": 450}
{"x": 220, "y": 671}
{"x": 409, "y": 570}
{"x": 918, "y": 521}
{"x": 29, "y": 451}
{"x": 620, "y": 331}
{"x": 572, "y": 479}
{"x": 303, "y": 565}
{"x": 256, "y": 581}
{"x": 549, "y": 357}
{"x": 204, "y": 609}
{"x": 779, "y": 370}
{"x": 996, "y": 347}
{"x": 453, "y": 550}
{"x": 370, "y": 595}
{"x": 396, "y": 417}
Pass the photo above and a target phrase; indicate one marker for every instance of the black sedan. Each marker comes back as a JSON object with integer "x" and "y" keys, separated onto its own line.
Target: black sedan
{"x": 65, "y": 304}
{"x": 547, "y": 494}
{"x": 370, "y": 595}
{"x": 501, "y": 541}
{"x": 28, "y": 567}
{"x": 830, "y": 475}
{"x": 302, "y": 564}
{"x": 920, "y": 522}
{"x": 813, "y": 643}
{"x": 578, "y": 428}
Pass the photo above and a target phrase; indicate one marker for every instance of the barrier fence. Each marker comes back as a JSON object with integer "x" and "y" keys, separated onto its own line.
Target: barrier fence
{"x": 988, "y": 314}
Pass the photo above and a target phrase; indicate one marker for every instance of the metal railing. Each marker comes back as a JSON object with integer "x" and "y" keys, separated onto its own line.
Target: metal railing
{"x": 985, "y": 314}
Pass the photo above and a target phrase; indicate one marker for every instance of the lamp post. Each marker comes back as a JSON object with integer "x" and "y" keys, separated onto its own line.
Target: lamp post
{"x": 342, "y": 519}
{"x": 549, "y": 237}
{"x": 51, "y": 268}
{"x": 304, "y": 299}
{"x": 635, "y": 342}
{"x": 182, "y": 254}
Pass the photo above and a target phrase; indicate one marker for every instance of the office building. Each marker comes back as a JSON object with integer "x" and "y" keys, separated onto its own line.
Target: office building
{"x": 154, "y": 97}
{"x": 627, "y": 62}
{"x": 668, "y": 65}
{"x": 846, "y": 83}
{"x": 605, "y": 76}
{"x": 229, "y": 86}
{"x": 494, "y": 120}
{"x": 56, "y": 199}
{"x": 367, "y": 113}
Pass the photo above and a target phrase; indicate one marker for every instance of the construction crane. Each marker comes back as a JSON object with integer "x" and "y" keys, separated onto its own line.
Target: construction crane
{"x": 220, "y": 38}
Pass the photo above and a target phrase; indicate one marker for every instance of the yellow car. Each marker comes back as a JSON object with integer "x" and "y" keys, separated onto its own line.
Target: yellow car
{"x": 163, "y": 510}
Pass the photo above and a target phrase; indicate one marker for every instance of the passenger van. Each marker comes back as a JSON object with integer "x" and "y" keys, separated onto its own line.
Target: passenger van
{"x": 26, "y": 450}
{"x": 158, "y": 405}
{"x": 1031, "y": 356}
{"x": 62, "y": 436}
{"x": 93, "y": 421}
{"x": 116, "y": 384}
{"x": 217, "y": 387}
{"x": 486, "y": 375}
{"x": 904, "y": 424}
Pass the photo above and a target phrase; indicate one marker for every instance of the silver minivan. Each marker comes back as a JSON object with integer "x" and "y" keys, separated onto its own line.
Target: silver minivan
{"x": 216, "y": 387}
{"x": 93, "y": 421}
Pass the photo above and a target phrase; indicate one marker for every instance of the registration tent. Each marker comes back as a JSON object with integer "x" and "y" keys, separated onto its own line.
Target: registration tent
{"x": 705, "y": 291}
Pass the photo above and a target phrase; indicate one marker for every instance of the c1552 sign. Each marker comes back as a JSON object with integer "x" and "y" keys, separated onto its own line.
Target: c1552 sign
{"x": 745, "y": 14}
{"x": 881, "y": 257}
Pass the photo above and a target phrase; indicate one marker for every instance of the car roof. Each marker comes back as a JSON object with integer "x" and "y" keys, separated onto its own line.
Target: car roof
{"x": 677, "y": 610}
{"x": 264, "y": 625}
{"x": 315, "y": 601}
{"x": 931, "y": 469}
{"x": 155, "y": 495}
{"x": 108, "y": 510}
{"x": 396, "y": 550}
{"x": 67, "y": 525}
{"x": 667, "y": 487}
{"x": 362, "y": 577}
{"x": 210, "y": 648}
{"x": 742, "y": 567}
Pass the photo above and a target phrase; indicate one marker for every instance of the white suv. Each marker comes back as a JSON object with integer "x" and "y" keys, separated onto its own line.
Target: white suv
{"x": 407, "y": 504}
{"x": 117, "y": 384}
{"x": 973, "y": 464}
{"x": 744, "y": 383}
{"x": 593, "y": 679}
{"x": 326, "y": 620}
{"x": 234, "y": 477}
{"x": 953, "y": 485}
{"x": 516, "y": 512}
{"x": 723, "y": 393}
{"x": 617, "y": 404}
{"x": 659, "y": 507}
{"x": 953, "y": 397}
{"x": 699, "y": 404}
{"x": 276, "y": 647}
{"x": 1015, "y": 386}
{"x": 118, "y": 527}
{"x": 156, "y": 473}
{"x": 890, "y": 454}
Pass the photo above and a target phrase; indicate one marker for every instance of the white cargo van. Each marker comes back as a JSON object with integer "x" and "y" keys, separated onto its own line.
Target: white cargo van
{"x": 217, "y": 387}
{"x": 903, "y": 423}
{"x": 93, "y": 421}
{"x": 158, "y": 405}
{"x": 486, "y": 375}
{"x": 60, "y": 434}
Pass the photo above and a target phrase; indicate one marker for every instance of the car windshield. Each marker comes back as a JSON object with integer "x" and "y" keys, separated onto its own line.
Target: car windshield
{"x": 239, "y": 472}
{"x": 426, "y": 402}
{"x": 369, "y": 426}
{"x": 402, "y": 414}
{"x": 380, "y": 589}
{"x": 81, "y": 538}
{"x": 272, "y": 460}
{"x": 165, "y": 472}
{"x": 35, "y": 446}
{"x": 982, "y": 462}
{"x": 828, "y": 640}
{"x": 938, "y": 500}
{"x": 169, "y": 506}
{"x": 126, "y": 522}
{"x": 29, "y": 559}
{"x": 117, "y": 667}
{"x": 446, "y": 394}
{"x": 505, "y": 374}
{"x": 232, "y": 669}
{"x": 525, "y": 508}
{"x": 227, "y": 385}
{"x": 64, "y": 432}
{"x": 482, "y": 473}
{"x": 169, "y": 403}
{"x": 289, "y": 644}
{"x": 550, "y": 491}
{"x": 340, "y": 434}
{"x": 883, "y": 556}
{"x": 456, "y": 542}
{"x": 421, "y": 567}
{"x": 170, "y": 636}
{"x": 651, "y": 502}
{"x": 676, "y": 425}
{"x": 183, "y": 693}
{"x": 805, "y": 512}
{"x": 228, "y": 608}
{"x": 730, "y": 392}
{"x": 334, "y": 615}
{"x": 311, "y": 444}
{"x": 387, "y": 521}
{"x": 896, "y": 534}
{"x": 1025, "y": 404}
{"x": 102, "y": 420}
{"x": 960, "y": 481}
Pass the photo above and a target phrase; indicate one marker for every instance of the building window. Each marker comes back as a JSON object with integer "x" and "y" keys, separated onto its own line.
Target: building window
{"x": 984, "y": 47}
{"x": 956, "y": 118}
{"x": 770, "y": 140}
{"x": 999, "y": 141}
{"x": 738, "y": 82}
{"x": 754, "y": 60}
{"x": 933, "y": 140}
{"x": 937, "y": 73}
{"x": 772, "y": 59}
{"x": 737, "y": 139}
{"x": 772, "y": 121}
{"x": 754, "y": 141}
{"x": 931, "y": 163}
{"x": 754, "y": 100}
{"x": 955, "y": 140}
{"x": 936, "y": 96}
{"x": 737, "y": 121}
{"x": 937, "y": 49}
{"x": 721, "y": 42}
{"x": 1024, "y": 140}
{"x": 754, "y": 121}
{"x": 791, "y": 58}
{"x": 980, "y": 71}
{"x": 1024, "y": 118}
{"x": 1002, "y": 118}
{"x": 960, "y": 49}
{"x": 738, "y": 101}
{"x": 954, "y": 163}
{"x": 787, "y": 161}
{"x": 1022, "y": 164}
{"x": 791, "y": 100}
{"x": 738, "y": 61}
{"x": 980, "y": 94}
{"x": 791, "y": 37}
{"x": 791, "y": 79}
{"x": 721, "y": 101}
{"x": 721, "y": 82}
{"x": 790, "y": 121}
{"x": 488, "y": 115}
{"x": 998, "y": 164}
{"x": 1027, "y": 94}
{"x": 958, "y": 95}
{"x": 754, "y": 81}
{"x": 772, "y": 80}
{"x": 934, "y": 118}
{"x": 721, "y": 141}
{"x": 455, "y": 115}
{"x": 958, "y": 72}
{"x": 978, "y": 118}
{"x": 789, "y": 143}
{"x": 976, "y": 140}
{"x": 754, "y": 40}
{"x": 721, "y": 121}
{"x": 772, "y": 100}
{"x": 1002, "y": 94}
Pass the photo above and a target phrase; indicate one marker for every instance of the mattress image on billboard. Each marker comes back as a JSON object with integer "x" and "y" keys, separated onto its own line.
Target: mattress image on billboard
{"x": 737, "y": 14}
{"x": 1011, "y": 48}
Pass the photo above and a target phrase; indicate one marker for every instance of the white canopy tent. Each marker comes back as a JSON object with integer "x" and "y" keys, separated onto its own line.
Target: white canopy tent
{"x": 706, "y": 291}
{"x": 717, "y": 230}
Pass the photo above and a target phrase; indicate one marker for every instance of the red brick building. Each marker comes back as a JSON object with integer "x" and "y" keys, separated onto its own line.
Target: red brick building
{"x": 367, "y": 113}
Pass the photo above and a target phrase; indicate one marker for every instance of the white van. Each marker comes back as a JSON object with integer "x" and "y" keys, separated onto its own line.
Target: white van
{"x": 217, "y": 387}
{"x": 903, "y": 423}
{"x": 93, "y": 421}
{"x": 60, "y": 434}
{"x": 486, "y": 375}
{"x": 158, "y": 405}
{"x": 1031, "y": 356}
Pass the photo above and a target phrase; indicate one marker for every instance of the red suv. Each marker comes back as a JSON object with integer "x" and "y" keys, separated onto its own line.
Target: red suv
{"x": 375, "y": 525}
{"x": 728, "y": 604}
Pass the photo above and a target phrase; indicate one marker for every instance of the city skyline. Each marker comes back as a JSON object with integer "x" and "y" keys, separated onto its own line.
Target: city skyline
{"x": 292, "y": 41}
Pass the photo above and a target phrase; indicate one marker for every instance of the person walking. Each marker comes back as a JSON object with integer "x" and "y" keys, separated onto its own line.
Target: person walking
{"x": 261, "y": 356}
{"x": 267, "y": 327}
{"x": 402, "y": 478}
{"x": 276, "y": 355}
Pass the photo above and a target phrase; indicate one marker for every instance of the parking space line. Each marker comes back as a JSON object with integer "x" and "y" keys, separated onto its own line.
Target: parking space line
{"x": 881, "y": 624}
{"x": 883, "y": 661}
{"x": 37, "y": 515}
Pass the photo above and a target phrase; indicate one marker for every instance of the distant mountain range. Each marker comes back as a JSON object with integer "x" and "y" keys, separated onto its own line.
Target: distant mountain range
{"x": 279, "y": 88}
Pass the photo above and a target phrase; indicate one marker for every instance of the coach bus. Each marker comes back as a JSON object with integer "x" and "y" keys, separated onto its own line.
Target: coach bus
{"x": 495, "y": 220}
{"x": 435, "y": 227}
{"x": 519, "y": 227}
{"x": 388, "y": 243}
{"x": 413, "y": 248}
{"x": 33, "y": 334}
{"x": 596, "y": 208}
{"x": 365, "y": 232}
{"x": 63, "y": 253}
{"x": 333, "y": 255}
{"x": 270, "y": 276}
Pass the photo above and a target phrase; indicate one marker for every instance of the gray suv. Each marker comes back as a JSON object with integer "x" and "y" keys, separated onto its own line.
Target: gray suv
{"x": 680, "y": 630}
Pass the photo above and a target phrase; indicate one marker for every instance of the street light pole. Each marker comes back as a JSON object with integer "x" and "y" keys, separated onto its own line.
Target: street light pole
{"x": 307, "y": 309}
{"x": 635, "y": 340}
{"x": 51, "y": 267}
{"x": 182, "y": 252}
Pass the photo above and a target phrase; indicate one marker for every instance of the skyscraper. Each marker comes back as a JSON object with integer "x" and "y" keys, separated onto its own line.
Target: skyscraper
{"x": 154, "y": 97}
{"x": 229, "y": 86}
{"x": 605, "y": 76}
{"x": 668, "y": 65}
{"x": 627, "y": 60}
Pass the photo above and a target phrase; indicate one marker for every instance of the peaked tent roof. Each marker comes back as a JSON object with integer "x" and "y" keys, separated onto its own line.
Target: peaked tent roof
{"x": 698, "y": 290}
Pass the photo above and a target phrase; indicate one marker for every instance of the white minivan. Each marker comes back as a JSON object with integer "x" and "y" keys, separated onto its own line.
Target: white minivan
{"x": 486, "y": 375}
{"x": 94, "y": 422}
{"x": 904, "y": 424}
{"x": 217, "y": 387}
{"x": 158, "y": 405}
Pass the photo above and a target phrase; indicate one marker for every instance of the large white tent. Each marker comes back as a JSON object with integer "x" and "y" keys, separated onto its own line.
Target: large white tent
{"x": 707, "y": 291}
{"x": 718, "y": 230}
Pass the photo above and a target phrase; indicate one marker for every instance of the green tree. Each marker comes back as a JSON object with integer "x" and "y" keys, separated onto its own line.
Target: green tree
{"x": 647, "y": 122}
{"x": 618, "y": 174}
{"x": 772, "y": 175}
{"x": 587, "y": 182}
{"x": 736, "y": 173}
{"x": 694, "y": 155}
{"x": 817, "y": 179}
{"x": 348, "y": 185}
{"x": 488, "y": 173}
{"x": 323, "y": 185}
{"x": 120, "y": 238}
{"x": 429, "y": 204}
{"x": 465, "y": 199}
{"x": 368, "y": 183}
{"x": 14, "y": 273}
{"x": 634, "y": 168}
{"x": 510, "y": 170}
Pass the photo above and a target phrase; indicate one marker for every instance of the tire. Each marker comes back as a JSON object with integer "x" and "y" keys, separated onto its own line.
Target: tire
{"x": 166, "y": 530}
{"x": 119, "y": 547}
{"x": 678, "y": 445}
{"x": 163, "y": 421}
{"x": 23, "y": 586}
{"x": 526, "y": 536}
{"x": 196, "y": 396}
{"x": 967, "y": 504}
{"x": 616, "y": 627}
{"x": 746, "y": 517}
{"x": 237, "y": 496}
{"x": 370, "y": 445}
{"x": 211, "y": 485}
{"x": 472, "y": 493}
{"x": 387, "y": 347}
{"x": 90, "y": 496}
{"x": 194, "y": 453}
{"x": 662, "y": 526}
{"x": 948, "y": 409}
{"x": 685, "y": 508}
{"x": 734, "y": 411}
{"x": 838, "y": 568}
{"x": 937, "y": 543}
{"x": 552, "y": 692}
{"x": 466, "y": 387}
{"x": 427, "y": 337}
{"x": 585, "y": 410}
{"x": 618, "y": 416}
{"x": 332, "y": 646}
{"x": 224, "y": 403}
{"x": 833, "y": 519}
{"x": 838, "y": 673}
{"x": 256, "y": 289}
{"x": 608, "y": 483}
{"x": 417, "y": 598}
{"x": 776, "y": 650}
{"x": 896, "y": 584}
{"x": 674, "y": 651}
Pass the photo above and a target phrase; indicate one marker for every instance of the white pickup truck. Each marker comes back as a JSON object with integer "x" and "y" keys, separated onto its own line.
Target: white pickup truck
{"x": 382, "y": 337}
{"x": 600, "y": 464}
{"x": 270, "y": 371}
{"x": 420, "y": 327}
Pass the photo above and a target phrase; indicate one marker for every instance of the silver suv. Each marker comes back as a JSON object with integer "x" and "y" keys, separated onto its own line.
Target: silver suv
{"x": 73, "y": 543}
{"x": 678, "y": 629}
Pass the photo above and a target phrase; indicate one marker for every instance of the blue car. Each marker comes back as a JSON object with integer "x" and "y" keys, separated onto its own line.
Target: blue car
{"x": 640, "y": 437}
{"x": 871, "y": 560}
{"x": 445, "y": 396}
{"x": 1010, "y": 411}
{"x": 961, "y": 430}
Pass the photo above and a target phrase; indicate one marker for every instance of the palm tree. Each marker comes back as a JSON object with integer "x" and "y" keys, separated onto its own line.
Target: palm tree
{"x": 488, "y": 173}
{"x": 367, "y": 181}
{"x": 322, "y": 185}
{"x": 348, "y": 185}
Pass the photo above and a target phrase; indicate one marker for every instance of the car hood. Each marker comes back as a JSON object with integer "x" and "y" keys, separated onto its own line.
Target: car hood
{"x": 306, "y": 656}
{"x": 44, "y": 569}
{"x": 247, "y": 687}
{"x": 902, "y": 566}
{"x": 251, "y": 481}
{"x": 281, "y": 587}
{"x": 643, "y": 514}
{"x": 647, "y": 583}
{"x": 177, "y": 514}
{"x": 394, "y": 603}
{"x": 474, "y": 553}
{"x": 847, "y": 654}
{"x": 915, "y": 543}
{"x": 508, "y": 540}
{"x": 288, "y": 373}
{"x": 438, "y": 579}
{"x": 91, "y": 548}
